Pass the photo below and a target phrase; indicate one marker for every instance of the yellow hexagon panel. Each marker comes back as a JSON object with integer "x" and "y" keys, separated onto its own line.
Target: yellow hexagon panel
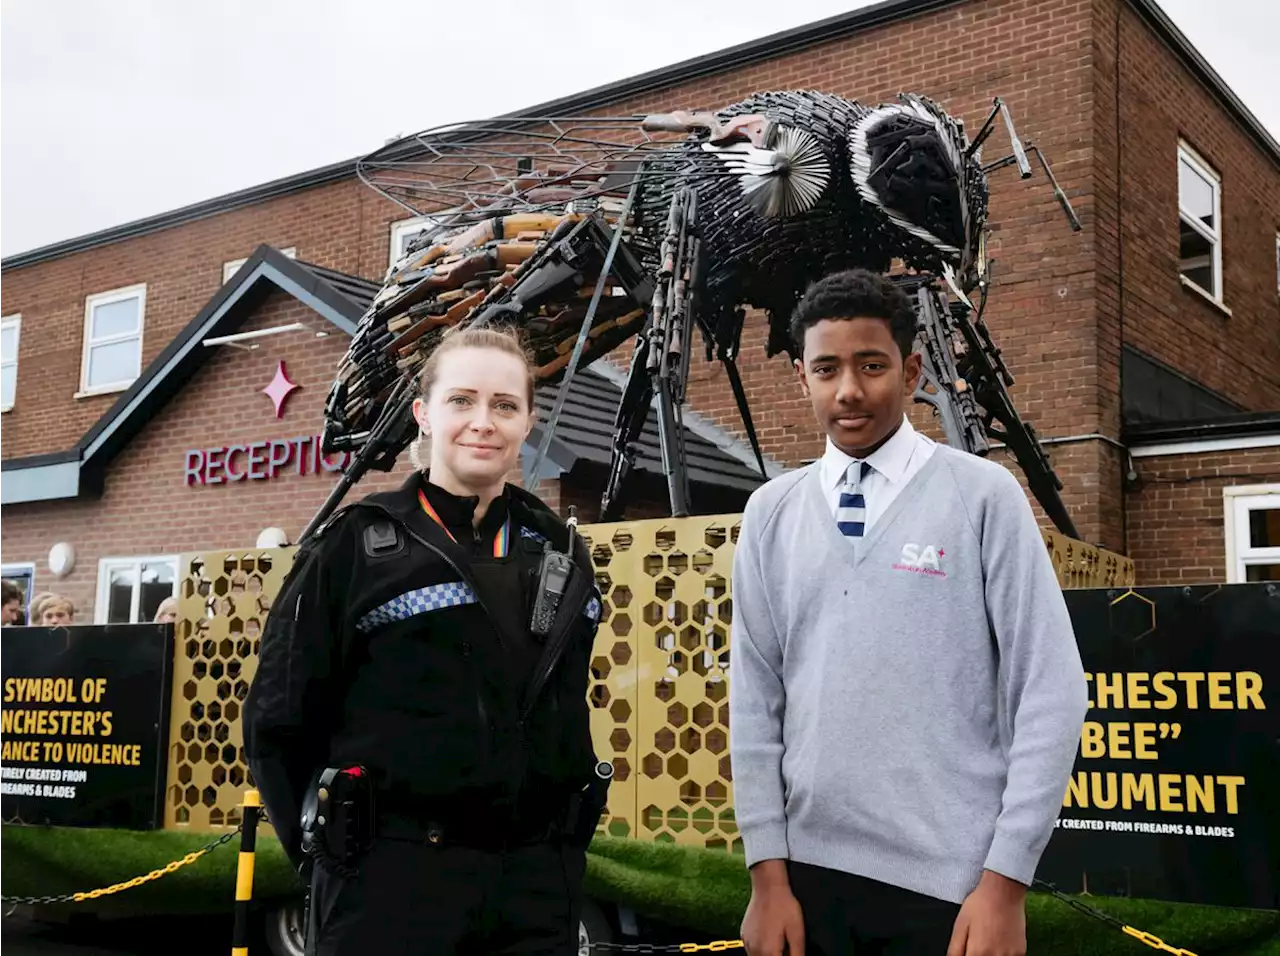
{"x": 223, "y": 599}
{"x": 676, "y": 575}
{"x": 659, "y": 689}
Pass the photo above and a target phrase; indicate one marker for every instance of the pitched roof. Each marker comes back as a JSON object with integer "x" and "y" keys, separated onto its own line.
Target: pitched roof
{"x": 583, "y": 433}
{"x": 753, "y": 51}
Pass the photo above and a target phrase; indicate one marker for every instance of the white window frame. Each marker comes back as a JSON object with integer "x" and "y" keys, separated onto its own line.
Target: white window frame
{"x": 107, "y": 565}
{"x": 1213, "y": 236}
{"x": 1237, "y": 502}
{"x": 22, "y": 569}
{"x": 400, "y": 230}
{"x": 231, "y": 268}
{"x": 138, "y": 292}
{"x": 12, "y": 322}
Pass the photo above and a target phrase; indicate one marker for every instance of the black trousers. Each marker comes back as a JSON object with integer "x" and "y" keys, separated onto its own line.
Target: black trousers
{"x": 413, "y": 898}
{"x": 847, "y": 915}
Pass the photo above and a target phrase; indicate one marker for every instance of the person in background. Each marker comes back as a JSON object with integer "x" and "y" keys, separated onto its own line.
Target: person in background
{"x": 10, "y": 603}
{"x": 57, "y": 611}
{"x": 167, "y": 612}
{"x": 36, "y": 605}
{"x": 406, "y": 649}
{"x": 907, "y": 693}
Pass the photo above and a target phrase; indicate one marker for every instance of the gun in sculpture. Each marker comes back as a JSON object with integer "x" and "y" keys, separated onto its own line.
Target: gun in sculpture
{"x": 589, "y": 232}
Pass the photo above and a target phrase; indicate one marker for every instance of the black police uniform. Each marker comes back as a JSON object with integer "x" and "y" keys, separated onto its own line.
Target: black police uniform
{"x": 400, "y": 642}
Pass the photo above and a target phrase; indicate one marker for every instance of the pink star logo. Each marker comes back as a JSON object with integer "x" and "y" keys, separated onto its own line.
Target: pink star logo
{"x": 279, "y": 389}
{"x": 941, "y": 553}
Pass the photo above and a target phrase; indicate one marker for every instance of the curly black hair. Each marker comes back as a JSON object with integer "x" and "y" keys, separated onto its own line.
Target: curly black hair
{"x": 855, "y": 293}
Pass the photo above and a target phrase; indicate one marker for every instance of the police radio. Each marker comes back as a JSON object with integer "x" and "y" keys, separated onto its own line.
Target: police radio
{"x": 553, "y": 576}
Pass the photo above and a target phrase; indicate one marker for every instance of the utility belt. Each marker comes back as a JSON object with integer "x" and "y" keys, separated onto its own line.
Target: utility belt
{"x": 341, "y": 820}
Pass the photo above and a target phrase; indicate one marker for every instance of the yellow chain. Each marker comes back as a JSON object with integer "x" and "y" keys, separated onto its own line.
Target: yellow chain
{"x": 718, "y": 946}
{"x": 139, "y": 880}
{"x": 1155, "y": 942}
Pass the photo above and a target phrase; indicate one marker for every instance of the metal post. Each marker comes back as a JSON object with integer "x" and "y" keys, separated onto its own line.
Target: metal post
{"x": 244, "y": 873}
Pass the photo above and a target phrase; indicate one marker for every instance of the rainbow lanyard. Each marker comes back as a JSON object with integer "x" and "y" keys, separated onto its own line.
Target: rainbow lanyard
{"x": 501, "y": 541}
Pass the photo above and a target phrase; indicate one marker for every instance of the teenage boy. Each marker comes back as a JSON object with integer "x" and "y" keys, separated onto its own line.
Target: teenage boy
{"x": 907, "y": 694}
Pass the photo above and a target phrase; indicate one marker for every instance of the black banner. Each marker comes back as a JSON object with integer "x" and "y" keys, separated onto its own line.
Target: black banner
{"x": 85, "y": 715}
{"x": 1175, "y": 793}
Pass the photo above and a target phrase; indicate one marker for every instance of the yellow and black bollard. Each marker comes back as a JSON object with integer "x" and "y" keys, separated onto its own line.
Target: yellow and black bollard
{"x": 244, "y": 873}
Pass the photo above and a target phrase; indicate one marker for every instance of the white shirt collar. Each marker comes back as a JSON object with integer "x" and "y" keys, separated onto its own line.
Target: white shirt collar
{"x": 890, "y": 459}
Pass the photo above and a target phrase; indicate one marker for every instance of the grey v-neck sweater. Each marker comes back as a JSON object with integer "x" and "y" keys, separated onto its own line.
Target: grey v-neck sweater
{"x": 907, "y": 709}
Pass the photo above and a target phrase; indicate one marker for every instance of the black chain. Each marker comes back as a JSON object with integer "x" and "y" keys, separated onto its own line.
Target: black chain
{"x": 1080, "y": 905}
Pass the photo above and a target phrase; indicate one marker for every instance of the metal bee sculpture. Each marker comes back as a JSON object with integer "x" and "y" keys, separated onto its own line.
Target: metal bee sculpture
{"x": 589, "y": 231}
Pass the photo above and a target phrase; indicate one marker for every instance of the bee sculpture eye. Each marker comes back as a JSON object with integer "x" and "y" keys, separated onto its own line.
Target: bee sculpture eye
{"x": 906, "y": 161}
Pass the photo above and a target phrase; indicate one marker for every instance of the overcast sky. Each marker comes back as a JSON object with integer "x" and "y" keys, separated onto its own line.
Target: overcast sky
{"x": 112, "y": 110}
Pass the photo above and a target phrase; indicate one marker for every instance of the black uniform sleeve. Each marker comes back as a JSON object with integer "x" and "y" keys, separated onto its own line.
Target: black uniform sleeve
{"x": 293, "y": 701}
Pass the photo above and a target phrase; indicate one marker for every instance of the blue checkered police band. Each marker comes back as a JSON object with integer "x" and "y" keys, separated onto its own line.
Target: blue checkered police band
{"x": 437, "y": 597}
{"x": 532, "y": 535}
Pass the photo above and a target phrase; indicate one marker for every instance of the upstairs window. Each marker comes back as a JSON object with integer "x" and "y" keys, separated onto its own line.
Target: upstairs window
{"x": 112, "y": 340}
{"x": 1200, "y": 224}
{"x": 404, "y": 232}
{"x": 10, "y": 328}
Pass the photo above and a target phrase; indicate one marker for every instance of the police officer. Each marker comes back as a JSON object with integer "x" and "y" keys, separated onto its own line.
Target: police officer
{"x": 418, "y": 649}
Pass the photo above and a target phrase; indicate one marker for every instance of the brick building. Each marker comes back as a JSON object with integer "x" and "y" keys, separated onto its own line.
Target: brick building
{"x": 1146, "y": 347}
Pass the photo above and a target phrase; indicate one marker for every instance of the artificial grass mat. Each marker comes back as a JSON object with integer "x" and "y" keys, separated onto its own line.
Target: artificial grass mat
{"x": 704, "y": 891}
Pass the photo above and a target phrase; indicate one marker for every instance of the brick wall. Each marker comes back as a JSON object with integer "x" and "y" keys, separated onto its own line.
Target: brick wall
{"x": 1034, "y": 53}
{"x": 1161, "y": 103}
{"x": 1056, "y": 307}
{"x": 1176, "y": 520}
{"x": 335, "y": 225}
{"x": 148, "y": 507}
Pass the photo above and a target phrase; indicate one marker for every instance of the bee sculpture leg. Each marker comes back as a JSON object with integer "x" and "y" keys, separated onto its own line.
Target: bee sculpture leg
{"x": 971, "y": 396}
{"x": 661, "y": 360}
{"x": 633, "y": 409}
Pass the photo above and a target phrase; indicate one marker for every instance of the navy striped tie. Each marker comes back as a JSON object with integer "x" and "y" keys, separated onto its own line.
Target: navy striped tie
{"x": 851, "y": 513}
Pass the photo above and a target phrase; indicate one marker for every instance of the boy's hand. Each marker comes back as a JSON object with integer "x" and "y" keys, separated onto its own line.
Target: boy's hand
{"x": 992, "y": 920}
{"x": 774, "y": 922}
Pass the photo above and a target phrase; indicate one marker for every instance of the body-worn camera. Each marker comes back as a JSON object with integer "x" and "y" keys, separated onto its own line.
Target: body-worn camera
{"x": 337, "y": 816}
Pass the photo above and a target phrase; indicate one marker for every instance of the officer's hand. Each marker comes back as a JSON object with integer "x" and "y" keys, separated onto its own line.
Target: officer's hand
{"x": 774, "y": 924}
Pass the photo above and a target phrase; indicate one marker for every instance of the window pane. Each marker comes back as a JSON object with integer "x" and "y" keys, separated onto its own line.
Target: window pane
{"x": 1262, "y": 572}
{"x": 1195, "y": 194}
{"x": 157, "y": 584}
{"x": 406, "y": 238}
{"x": 1195, "y": 254}
{"x": 120, "y": 595}
{"x": 8, "y": 385}
{"x": 22, "y": 580}
{"x": 115, "y": 318}
{"x": 118, "y": 362}
{"x": 9, "y": 344}
{"x": 1264, "y": 528}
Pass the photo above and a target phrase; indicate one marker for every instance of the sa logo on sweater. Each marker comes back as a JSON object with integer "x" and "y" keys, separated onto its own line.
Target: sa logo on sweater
{"x": 922, "y": 559}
